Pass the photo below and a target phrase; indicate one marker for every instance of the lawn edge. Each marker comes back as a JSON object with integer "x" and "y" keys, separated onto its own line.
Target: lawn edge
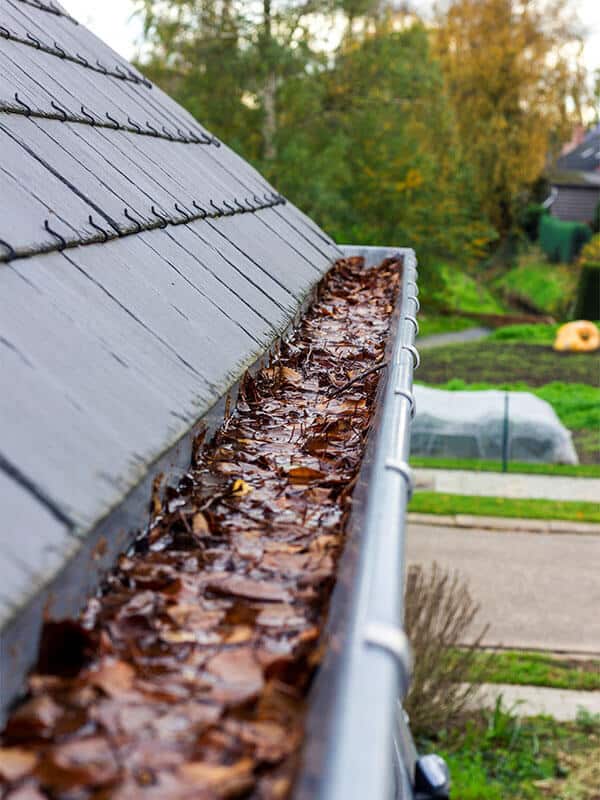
{"x": 512, "y": 524}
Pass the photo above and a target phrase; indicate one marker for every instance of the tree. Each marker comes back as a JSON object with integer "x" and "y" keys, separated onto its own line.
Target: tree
{"x": 508, "y": 69}
{"x": 226, "y": 59}
{"x": 363, "y": 137}
{"x": 405, "y": 179}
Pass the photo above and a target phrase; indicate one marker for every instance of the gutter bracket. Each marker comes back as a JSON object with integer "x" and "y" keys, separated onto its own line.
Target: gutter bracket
{"x": 402, "y": 468}
{"x": 406, "y": 393}
{"x": 414, "y": 352}
{"x": 394, "y": 641}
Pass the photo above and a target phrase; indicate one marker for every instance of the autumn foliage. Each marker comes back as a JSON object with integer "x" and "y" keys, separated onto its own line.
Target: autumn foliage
{"x": 511, "y": 71}
{"x": 385, "y": 128}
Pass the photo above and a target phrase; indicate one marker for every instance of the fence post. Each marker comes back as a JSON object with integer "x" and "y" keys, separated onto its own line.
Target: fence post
{"x": 505, "y": 435}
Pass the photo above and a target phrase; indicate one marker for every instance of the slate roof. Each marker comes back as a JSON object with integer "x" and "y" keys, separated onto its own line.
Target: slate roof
{"x": 143, "y": 266}
{"x": 583, "y": 158}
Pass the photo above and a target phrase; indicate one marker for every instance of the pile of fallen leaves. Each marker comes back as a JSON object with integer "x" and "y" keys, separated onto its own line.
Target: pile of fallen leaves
{"x": 187, "y": 678}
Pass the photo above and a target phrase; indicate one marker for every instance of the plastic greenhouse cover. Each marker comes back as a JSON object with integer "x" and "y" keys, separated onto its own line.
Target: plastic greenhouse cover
{"x": 470, "y": 425}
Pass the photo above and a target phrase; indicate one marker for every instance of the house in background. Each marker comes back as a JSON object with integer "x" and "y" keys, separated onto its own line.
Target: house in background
{"x": 575, "y": 181}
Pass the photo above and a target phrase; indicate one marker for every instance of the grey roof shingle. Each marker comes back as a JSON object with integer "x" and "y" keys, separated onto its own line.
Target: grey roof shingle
{"x": 125, "y": 313}
{"x": 584, "y": 158}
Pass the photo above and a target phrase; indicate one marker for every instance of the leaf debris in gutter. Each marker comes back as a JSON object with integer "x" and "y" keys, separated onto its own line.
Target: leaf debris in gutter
{"x": 187, "y": 678}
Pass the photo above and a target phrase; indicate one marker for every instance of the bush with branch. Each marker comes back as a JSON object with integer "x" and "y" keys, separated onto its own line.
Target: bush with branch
{"x": 439, "y": 611}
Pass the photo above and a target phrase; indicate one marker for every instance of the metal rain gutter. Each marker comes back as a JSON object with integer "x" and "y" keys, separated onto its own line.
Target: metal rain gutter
{"x": 350, "y": 750}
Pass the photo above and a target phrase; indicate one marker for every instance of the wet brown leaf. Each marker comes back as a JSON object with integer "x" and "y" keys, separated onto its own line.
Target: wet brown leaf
{"x": 239, "y": 672}
{"x": 35, "y": 718}
{"x": 304, "y": 474}
{"x": 84, "y": 762}
{"x": 200, "y": 525}
{"x": 115, "y": 678}
{"x": 27, "y": 792}
{"x": 225, "y": 781}
{"x": 16, "y": 763}
{"x": 249, "y": 589}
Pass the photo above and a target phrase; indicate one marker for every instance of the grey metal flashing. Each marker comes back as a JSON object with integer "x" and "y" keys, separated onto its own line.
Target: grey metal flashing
{"x": 353, "y": 720}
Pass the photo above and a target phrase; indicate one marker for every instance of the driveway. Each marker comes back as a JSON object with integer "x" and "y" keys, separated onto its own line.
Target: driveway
{"x": 536, "y": 590}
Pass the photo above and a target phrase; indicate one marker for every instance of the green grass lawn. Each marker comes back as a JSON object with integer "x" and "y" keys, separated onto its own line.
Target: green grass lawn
{"x": 550, "y": 288}
{"x": 432, "y": 324}
{"x": 528, "y": 334}
{"x": 496, "y": 756}
{"x": 535, "y": 669}
{"x": 514, "y": 467}
{"x": 453, "y": 289}
{"x": 441, "y": 503}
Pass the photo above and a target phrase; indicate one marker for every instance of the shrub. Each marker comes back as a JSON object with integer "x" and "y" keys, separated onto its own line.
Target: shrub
{"x": 451, "y": 289}
{"x": 534, "y": 283}
{"x": 530, "y": 220}
{"x": 562, "y": 241}
{"x": 439, "y": 610}
{"x": 588, "y": 291}
{"x": 590, "y": 254}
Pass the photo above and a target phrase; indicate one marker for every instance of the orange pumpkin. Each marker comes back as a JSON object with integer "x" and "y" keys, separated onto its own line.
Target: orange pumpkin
{"x": 577, "y": 337}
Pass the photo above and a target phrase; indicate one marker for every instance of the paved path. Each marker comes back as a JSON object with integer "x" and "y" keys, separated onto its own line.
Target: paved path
{"x": 499, "y": 484}
{"x": 536, "y": 590}
{"x": 457, "y": 337}
{"x": 529, "y": 701}
{"x": 510, "y": 524}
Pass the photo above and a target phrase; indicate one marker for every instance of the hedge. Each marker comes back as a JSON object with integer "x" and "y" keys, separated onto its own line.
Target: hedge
{"x": 562, "y": 241}
{"x": 530, "y": 218}
{"x": 588, "y": 292}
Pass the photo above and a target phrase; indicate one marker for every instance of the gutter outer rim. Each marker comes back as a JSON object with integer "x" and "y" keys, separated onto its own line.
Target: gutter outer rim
{"x": 359, "y": 760}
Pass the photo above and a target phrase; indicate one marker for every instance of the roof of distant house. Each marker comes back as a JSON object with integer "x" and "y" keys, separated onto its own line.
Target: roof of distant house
{"x": 583, "y": 158}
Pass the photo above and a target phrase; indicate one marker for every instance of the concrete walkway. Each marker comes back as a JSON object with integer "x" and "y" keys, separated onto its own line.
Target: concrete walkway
{"x": 509, "y": 524}
{"x": 456, "y": 337}
{"x": 529, "y": 701}
{"x": 499, "y": 484}
{"x": 536, "y": 590}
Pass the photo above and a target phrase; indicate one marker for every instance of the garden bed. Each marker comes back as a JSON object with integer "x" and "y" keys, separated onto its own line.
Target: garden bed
{"x": 497, "y": 362}
{"x": 568, "y": 381}
{"x": 187, "y": 676}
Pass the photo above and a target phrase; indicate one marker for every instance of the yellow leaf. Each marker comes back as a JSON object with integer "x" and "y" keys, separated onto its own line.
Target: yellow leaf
{"x": 240, "y": 488}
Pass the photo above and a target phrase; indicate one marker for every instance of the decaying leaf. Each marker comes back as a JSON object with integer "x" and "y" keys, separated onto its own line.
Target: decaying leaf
{"x": 224, "y": 781}
{"x": 16, "y": 763}
{"x": 200, "y": 524}
{"x": 304, "y": 474}
{"x": 115, "y": 678}
{"x": 240, "y": 488}
{"x": 83, "y": 762}
{"x": 249, "y": 589}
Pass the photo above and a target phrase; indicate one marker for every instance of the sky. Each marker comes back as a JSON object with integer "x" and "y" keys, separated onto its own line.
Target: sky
{"x": 114, "y": 21}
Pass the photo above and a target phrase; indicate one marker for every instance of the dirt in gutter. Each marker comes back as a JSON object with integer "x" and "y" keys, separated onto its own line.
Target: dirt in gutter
{"x": 188, "y": 677}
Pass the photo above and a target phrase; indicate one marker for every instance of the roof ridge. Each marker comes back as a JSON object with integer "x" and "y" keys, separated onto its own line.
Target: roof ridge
{"x": 119, "y": 72}
{"x": 270, "y": 201}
